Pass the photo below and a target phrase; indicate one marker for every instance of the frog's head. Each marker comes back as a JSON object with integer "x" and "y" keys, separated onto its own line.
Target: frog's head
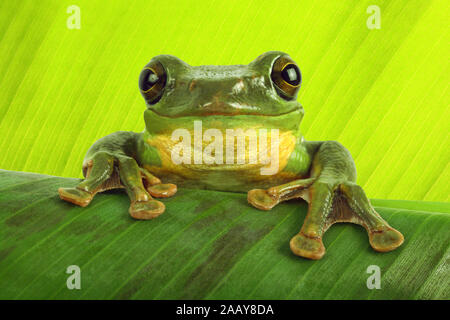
{"x": 268, "y": 86}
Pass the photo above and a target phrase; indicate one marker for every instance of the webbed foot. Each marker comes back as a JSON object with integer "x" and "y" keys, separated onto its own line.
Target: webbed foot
{"x": 329, "y": 202}
{"x": 107, "y": 171}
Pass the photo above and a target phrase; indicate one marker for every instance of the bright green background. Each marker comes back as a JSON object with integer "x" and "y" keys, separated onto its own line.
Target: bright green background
{"x": 382, "y": 93}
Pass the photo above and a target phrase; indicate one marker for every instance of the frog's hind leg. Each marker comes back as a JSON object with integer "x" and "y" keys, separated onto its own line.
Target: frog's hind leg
{"x": 382, "y": 237}
{"x": 142, "y": 205}
{"x": 329, "y": 203}
{"x": 345, "y": 202}
{"x": 100, "y": 176}
{"x": 307, "y": 243}
{"x": 106, "y": 171}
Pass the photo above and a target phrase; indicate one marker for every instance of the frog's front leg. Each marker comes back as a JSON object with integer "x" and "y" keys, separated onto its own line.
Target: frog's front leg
{"x": 333, "y": 197}
{"x": 109, "y": 164}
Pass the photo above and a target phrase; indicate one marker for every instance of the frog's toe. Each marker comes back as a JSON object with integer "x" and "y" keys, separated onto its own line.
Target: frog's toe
{"x": 76, "y": 196}
{"x": 145, "y": 210}
{"x": 162, "y": 190}
{"x": 260, "y": 199}
{"x": 307, "y": 247}
{"x": 385, "y": 240}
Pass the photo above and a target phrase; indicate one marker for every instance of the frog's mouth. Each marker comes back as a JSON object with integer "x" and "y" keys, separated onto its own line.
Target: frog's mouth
{"x": 232, "y": 109}
{"x": 222, "y": 114}
{"x": 157, "y": 123}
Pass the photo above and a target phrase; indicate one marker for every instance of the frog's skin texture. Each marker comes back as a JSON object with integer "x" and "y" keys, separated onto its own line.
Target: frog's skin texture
{"x": 257, "y": 95}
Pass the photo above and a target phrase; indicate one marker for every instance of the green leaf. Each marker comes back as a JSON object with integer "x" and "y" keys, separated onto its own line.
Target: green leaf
{"x": 207, "y": 245}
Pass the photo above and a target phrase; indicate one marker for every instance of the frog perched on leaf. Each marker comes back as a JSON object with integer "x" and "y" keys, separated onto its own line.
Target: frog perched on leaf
{"x": 191, "y": 109}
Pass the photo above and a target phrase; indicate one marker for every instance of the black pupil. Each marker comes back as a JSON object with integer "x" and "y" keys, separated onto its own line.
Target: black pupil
{"x": 291, "y": 75}
{"x": 147, "y": 79}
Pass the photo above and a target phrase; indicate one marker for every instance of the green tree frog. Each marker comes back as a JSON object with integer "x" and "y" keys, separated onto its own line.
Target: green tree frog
{"x": 231, "y": 128}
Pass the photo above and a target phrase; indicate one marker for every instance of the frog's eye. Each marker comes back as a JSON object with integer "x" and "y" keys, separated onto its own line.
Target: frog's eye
{"x": 286, "y": 77}
{"x": 152, "y": 82}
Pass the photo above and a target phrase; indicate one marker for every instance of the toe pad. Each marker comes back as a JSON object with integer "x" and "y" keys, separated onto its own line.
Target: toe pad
{"x": 260, "y": 199}
{"x": 146, "y": 210}
{"x": 385, "y": 240}
{"x": 162, "y": 190}
{"x": 303, "y": 246}
{"x": 75, "y": 196}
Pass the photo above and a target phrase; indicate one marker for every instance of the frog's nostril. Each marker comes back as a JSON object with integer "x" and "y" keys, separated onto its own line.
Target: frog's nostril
{"x": 238, "y": 87}
{"x": 192, "y": 85}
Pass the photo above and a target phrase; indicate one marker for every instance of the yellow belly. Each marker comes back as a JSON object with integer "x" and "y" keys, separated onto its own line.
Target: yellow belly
{"x": 217, "y": 171}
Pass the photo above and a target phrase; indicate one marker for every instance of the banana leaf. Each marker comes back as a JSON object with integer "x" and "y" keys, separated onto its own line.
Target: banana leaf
{"x": 207, "y": 245}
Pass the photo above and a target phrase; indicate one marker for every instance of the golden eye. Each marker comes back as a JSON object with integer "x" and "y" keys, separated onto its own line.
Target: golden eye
{"x": 286, "y": 77}
{"x": 152, "y": 81}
